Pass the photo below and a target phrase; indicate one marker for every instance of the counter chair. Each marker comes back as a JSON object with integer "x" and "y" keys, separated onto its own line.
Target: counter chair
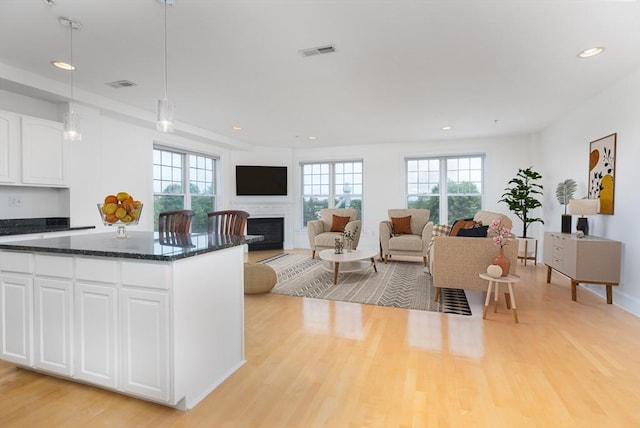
{"x": 229, "y": 222}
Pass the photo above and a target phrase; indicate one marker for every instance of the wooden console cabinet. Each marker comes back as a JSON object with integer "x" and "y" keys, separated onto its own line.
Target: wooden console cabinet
{"x": 589, "y": 259}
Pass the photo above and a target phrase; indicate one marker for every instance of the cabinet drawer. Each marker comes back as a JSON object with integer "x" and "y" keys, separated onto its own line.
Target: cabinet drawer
{"x": 16, "y": 262}
{"x": 557, "y": 252}
{"x": 146, "y": 274}
{"x": 97, "y": 270}
{"x": 59, "y": 266}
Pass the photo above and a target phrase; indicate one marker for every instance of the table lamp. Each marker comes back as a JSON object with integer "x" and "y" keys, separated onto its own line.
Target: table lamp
{"x": 584, "y": 207}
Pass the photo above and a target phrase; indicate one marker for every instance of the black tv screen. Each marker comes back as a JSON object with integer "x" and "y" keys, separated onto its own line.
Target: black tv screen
{"x": 261, "y": 180}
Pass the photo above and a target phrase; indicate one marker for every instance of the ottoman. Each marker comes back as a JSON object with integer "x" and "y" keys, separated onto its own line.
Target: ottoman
{"x": 258, "y": 278}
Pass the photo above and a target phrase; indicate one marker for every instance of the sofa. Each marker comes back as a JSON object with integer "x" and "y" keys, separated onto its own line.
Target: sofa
{"x": 321, "y": 235}
{"x": 456, "y": 261}
{"x": 413, "y": 241}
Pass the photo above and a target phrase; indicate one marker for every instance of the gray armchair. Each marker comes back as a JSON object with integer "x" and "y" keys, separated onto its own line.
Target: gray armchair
{"x": 320, "y": 235}
{"x": 407, "y": 244}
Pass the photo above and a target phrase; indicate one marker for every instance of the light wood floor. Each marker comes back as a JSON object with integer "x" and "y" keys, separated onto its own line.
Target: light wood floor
{"x": 314, "y": 363}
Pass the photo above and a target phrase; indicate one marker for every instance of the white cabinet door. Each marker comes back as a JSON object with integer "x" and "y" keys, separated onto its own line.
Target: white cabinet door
{"x": 53, "y": 301}
{"x": 15, "y": 319}
{"x": 95, "y": 334}
{"x": 145, "y": 342}
{"x": 9, "y": 147}
{"x": 44, "y": 152}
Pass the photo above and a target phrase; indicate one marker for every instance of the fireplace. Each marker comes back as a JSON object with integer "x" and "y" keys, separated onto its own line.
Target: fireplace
{"x": 272, "y": 228}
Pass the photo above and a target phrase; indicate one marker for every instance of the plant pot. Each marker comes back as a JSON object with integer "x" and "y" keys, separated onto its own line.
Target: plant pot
{"x": 566, "y": 223}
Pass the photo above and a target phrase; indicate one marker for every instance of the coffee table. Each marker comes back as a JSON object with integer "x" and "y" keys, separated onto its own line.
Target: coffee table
{"x": 349, "y": 261}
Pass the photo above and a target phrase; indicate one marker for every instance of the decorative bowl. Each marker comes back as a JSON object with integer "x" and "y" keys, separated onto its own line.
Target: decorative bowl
{"x": 121, "y": 215}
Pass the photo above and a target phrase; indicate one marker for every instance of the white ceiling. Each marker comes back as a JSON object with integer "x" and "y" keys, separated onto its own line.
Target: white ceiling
{"x": 402, "y": 69}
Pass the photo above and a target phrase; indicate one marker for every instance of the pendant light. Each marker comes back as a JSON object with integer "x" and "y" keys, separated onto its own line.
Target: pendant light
{"x": 165, "y": 107}
{"x": 71, "y": 122}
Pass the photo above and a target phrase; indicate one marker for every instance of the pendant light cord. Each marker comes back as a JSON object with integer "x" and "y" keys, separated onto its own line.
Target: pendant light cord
{"x": 72, "y": 65}
{"x": 166, "y": 78}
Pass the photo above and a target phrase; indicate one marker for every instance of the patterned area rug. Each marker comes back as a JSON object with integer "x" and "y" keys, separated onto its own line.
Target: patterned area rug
{"x": 397, "y": 284}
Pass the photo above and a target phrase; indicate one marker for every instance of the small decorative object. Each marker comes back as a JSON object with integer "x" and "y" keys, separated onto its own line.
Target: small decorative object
{"x": 501, "y": 236}
{"x": 494, "y": 271}
{"x": 521, "y": 197}
{"x": 349, "y": 237}
{"x": 338, "y": 245}
{"x": 564, "y": 193}
{"x": 120, "y": 210}
{"x": 602, "y": 170}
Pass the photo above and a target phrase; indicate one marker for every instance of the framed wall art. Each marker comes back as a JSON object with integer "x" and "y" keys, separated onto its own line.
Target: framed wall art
{"x": 602, "y": 171}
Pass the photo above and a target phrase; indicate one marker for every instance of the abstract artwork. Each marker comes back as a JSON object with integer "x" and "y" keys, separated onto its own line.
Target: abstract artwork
{"x": 602, "y": 155}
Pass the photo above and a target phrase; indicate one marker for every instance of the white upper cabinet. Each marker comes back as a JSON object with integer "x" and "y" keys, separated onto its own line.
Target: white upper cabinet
{"x": 44, "y": 153}
{"x": 9, "y": 147}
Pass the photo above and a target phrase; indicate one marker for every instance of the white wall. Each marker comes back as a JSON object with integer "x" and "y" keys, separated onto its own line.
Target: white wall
{"x": 384, "y": 185}
{"x": 565, "y": 148}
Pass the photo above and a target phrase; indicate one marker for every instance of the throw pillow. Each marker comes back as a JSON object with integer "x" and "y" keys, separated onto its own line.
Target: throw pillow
{"x": 465, "y": 223}
{"x": 338, "y": 223}
{"x": 474, "y": 232}
{"x": 401, "y": 225}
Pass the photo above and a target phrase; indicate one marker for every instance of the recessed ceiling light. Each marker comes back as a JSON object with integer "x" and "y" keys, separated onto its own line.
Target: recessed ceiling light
{"x": 312, "y": 137}
{"x": 236, "y": 128}
{"x": 446, "y": 128}
{"x": 587, "y": 53}
{"x": 63, "y": 65}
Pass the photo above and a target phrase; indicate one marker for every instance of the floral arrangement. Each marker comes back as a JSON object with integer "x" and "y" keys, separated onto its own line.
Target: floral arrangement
{"x": 502, "y": 234}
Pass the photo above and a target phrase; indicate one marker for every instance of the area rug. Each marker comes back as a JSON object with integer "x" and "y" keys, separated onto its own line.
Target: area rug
{"x": 396, "y": 284}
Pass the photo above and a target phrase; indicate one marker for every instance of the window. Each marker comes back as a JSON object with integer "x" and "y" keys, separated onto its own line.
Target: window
{"x": 184, "y": 181}
{"x": 331, "y": 185}
{"x": 460, "y": 198}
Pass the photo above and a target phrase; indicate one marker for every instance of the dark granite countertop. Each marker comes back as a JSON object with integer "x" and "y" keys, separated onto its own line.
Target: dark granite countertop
{"x": 137, "y": 245}
{"x": 23, "y": 226}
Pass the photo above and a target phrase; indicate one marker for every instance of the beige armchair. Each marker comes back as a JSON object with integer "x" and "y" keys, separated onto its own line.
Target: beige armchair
{"x": 406, "y": 244}
{"x": 456, "y": 261}
{"x": 320, "y": 235}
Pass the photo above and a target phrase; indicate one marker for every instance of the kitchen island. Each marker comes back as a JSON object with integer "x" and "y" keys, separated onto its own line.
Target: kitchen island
{"x": 157, "y": 319}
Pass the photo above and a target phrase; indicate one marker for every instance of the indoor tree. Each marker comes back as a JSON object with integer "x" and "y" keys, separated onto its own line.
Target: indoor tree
{"x": 520, "y": 195}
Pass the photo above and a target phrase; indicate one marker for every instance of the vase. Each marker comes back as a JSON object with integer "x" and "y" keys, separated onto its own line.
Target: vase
{"x": 502, "y": 261}
{"x": 566, "y": 223}
{"x": 349, "y": 245}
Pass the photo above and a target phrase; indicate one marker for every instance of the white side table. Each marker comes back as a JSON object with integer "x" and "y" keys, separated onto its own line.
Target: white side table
{"x": 509, "y": 280}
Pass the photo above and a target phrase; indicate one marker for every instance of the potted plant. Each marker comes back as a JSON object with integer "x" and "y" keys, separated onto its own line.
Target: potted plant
{"x": 521, "y": 197}
{"x": 564, "y": 193}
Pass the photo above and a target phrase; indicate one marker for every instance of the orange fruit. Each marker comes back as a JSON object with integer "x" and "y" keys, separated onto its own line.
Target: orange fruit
{"x": 128, "y": 204}
{"x": 110, "y": 218}
{"x": 111, "y": 199}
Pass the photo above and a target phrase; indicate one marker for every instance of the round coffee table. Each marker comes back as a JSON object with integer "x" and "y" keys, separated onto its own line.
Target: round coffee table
{"x": 349, "y": 261}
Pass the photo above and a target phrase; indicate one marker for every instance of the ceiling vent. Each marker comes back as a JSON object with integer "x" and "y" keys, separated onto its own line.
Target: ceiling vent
{"x": 317, "y": 51}
{"x": 121, "y": 84}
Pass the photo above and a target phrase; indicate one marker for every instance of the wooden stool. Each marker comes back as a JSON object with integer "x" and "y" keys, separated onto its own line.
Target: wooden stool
{"x": 509, "y": 280}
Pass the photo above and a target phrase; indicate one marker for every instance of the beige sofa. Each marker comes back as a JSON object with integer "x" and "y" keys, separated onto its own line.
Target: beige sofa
{"x": 456, "y": 261}
{"x": 414, "y": 244}
{"x": 319, "y": 231}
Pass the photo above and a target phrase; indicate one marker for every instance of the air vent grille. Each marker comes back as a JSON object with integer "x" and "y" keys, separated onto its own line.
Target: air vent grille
{"x": 121, "y": 84}
{"x": 317, "y": 51}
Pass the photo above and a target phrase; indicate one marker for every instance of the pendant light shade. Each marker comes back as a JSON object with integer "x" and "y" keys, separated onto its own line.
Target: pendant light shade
{"x": 165, "y": 107}
{"x": 71, "y": 121}
{"x": 165, "y": 116}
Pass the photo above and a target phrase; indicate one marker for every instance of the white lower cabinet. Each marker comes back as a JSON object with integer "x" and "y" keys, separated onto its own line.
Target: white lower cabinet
{"x": 145, "y": 334}
{"x": 53, "y": 301}
{"x": 95, "y": 334}
{"x": 15, "y": 319}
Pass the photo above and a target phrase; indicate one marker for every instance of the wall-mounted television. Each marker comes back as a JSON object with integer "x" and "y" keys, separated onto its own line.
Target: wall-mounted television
{"x": 254, "y": 180}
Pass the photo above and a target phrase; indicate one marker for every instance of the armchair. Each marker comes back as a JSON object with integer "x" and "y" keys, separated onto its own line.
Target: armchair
{"x": 320, "y": 232}
{"x": 406, "y": 244}
{"x": 456, "y": 261}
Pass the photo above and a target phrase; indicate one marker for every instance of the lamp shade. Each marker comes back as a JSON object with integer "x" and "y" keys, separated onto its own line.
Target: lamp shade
{"x": 584, "y": 206}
